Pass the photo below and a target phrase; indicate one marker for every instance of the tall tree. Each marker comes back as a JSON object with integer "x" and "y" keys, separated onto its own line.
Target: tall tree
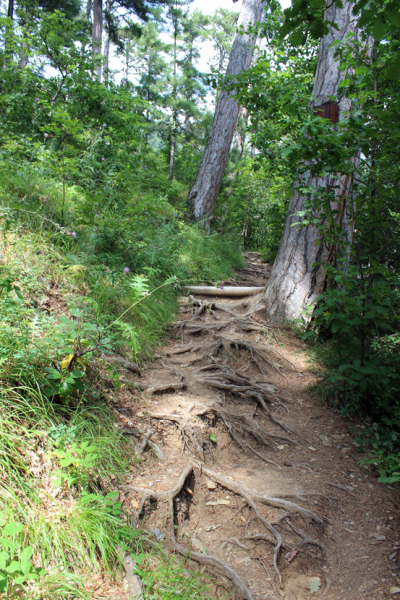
{"x": 176, "y": 14}
{"x": 298, "y": 276}
{"x": 97, "y": 32}
{"x": 222, "y": 34}
{"x": 117, "y": 17}
{"x": 204, "y": 192}
{"x": 193, "y": 89}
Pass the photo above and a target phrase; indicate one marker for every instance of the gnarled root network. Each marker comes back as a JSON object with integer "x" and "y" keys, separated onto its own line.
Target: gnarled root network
{"x": 203, "y": 559}
{"x": 253, "y": 499}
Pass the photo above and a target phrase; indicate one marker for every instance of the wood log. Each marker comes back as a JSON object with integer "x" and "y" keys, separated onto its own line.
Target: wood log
{"x": 236, "y": 292}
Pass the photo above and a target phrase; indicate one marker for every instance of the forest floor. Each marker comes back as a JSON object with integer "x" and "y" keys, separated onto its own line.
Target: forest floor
{"x": 257, "y": 479}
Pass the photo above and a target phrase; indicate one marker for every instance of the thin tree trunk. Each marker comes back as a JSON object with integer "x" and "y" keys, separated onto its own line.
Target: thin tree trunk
{"x": 239, "y": 137}
{"x": 172, "y": 153}
{"x": 9, "y": 29}
{"x": 106, "y": 49}
{"x": 97, "y": 32}
{"x": 174, "y": 113}
{"x": 106, "y": 54}
{"x": 298, "y": 276}
{"x": 205, "y": 189}
{"x": 23, "y": 57}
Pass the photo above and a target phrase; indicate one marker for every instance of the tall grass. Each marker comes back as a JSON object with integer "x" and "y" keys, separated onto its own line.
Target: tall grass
{"x": 60, "y": 456}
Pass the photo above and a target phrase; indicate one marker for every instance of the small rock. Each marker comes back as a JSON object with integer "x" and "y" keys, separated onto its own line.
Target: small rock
{"x": 324, "y": 440}
{"x": 395, "y": 590}
{"x": 211, "y": 485}
{"x": 312, "y": 449}
{"x": 157, "y": 533}
{"x": 392, "y": 556}
{"x": 197, "y": 545}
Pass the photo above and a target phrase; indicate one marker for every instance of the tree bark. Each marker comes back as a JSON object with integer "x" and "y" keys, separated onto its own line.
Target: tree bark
{"x": 9, "y": 30}
{"x": 174, "y": 112}
{"x": 106, "y": 49}
{"x": 298, "y": 276}
{"x": 205, "y": 189}
{"x": 97, "y": 32}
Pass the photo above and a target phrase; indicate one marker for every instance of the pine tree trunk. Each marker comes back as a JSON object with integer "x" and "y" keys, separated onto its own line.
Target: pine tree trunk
{"x": 172, "y": 148}
{"x": 174, "y": 112}
{"x": 205, "y": 189}
{"x": 295, "y": 282}
{"x": 97, "y": 32}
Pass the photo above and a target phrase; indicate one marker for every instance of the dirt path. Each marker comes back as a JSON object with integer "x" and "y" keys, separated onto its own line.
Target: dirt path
{"x": 256, "y": 479}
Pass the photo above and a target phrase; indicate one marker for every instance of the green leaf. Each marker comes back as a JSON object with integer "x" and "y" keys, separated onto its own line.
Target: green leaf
{"x": 12, "y": 528}
{"x": 26, "y": 553}
{"x": 314, "y": 585}
{"x": 77, "y": 374}
{"x": 13, "y": 567}
{"x": 213, "y": 438}
{"x": 379, "y": 29}
{"x": 112, "y": 495}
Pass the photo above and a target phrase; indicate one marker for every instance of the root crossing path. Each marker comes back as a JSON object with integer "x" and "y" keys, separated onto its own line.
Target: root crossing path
{"x": 247, "y": 475}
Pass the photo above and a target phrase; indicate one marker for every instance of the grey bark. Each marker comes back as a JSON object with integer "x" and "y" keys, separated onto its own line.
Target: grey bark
{"x": 239, "y": 137}
{"x": 205, "y": 189}
{"x": 237, "y": 292}
{"x": 106, "y": 49}
{"x": 97, "y": 32}
{"x": 174, "y": 111}
{"x": 240, "y": 133}
{"x": 295, "y": 282}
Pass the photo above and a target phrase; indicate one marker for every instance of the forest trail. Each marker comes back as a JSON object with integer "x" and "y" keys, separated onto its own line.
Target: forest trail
{"x": 262, "y": 482}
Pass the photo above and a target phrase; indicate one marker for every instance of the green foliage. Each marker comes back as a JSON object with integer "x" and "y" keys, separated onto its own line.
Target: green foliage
{"x": 256, "y": 207}
{"x": 15, "y": 569}
{"x": 93, "y": 249}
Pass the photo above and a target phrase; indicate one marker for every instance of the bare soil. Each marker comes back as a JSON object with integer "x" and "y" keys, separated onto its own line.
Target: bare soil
{"x": 258, "y": 482}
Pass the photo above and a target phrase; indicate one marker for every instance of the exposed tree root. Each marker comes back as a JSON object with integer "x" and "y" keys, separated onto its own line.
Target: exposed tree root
{"x": 281, "y": 531}
{"x": 188, "y": 432}
{"x": 251, "y": 497}
{"x": 204, "y": 559}
{"x": 172, "y": 386}
{"x": 122, "y": 362}
{"x": 227, "y": 379}
{"x": 211, "y": 327}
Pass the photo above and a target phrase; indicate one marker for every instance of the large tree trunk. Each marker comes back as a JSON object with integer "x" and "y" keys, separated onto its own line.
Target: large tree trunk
{"x": 205, "y": 189}
{"x": 97, "y": 32}
{"x": 298, "y": 275}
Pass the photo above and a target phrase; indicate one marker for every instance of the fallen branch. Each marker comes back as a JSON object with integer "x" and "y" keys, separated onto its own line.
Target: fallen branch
{"x": 237, "y": 292}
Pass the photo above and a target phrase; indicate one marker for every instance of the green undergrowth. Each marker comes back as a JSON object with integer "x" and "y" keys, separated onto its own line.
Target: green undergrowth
{"x": 366, "y": 393}
{"x": 60, "y": 520}
{"x": 76, "y": 285}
